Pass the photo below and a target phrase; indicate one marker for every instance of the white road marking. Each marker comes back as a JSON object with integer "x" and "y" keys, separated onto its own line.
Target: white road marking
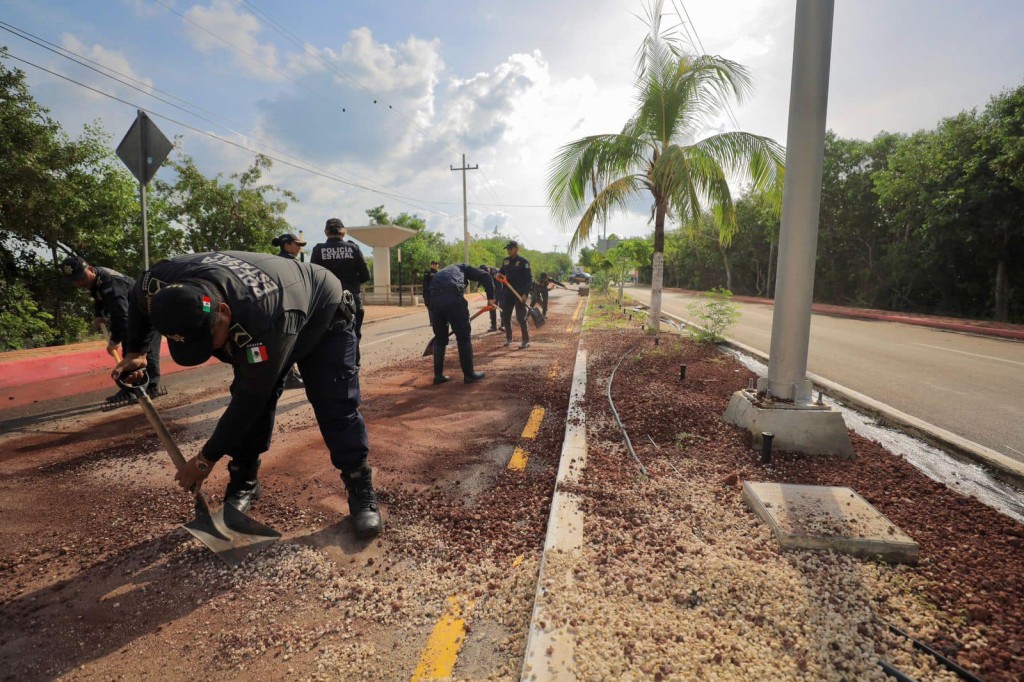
{"x": 389, "y": 338}
{"x": 976, "y": 355}
{"x": 1015, "y": 450}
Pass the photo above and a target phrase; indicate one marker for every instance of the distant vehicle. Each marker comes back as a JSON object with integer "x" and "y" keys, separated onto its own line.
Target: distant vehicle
{"x": 579, "y": 278}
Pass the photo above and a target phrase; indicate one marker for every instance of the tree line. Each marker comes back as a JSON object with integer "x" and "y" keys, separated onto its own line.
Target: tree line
{"x": 931, "y": 222}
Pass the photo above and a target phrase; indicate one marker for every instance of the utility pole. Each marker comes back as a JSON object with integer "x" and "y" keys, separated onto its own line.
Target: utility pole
{"x": 465, "y": 213}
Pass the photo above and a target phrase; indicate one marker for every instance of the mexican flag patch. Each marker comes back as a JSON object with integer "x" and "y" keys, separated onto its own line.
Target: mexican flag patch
{"x": 206, "y": 304}
{"x": 256, "y": 354}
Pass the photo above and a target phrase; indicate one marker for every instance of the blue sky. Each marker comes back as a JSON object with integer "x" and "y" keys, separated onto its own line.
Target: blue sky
{"x": 506, "y": 83}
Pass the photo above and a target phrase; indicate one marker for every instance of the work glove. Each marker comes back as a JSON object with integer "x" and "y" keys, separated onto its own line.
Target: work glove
{"x": 191, "y": 476}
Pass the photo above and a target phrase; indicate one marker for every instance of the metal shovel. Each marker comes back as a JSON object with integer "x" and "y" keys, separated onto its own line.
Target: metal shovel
{"x": 228, "y": 533}
{"x": 535, "y": 315}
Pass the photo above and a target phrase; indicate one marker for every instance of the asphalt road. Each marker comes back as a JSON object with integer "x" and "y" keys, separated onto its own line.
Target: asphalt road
{"x": 970, "y": 385}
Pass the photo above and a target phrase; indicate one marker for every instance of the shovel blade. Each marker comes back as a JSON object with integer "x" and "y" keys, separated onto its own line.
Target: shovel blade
{"x": 538, "y": 317}
{"x": 429, "y": 350}
{"x": 229, "y": 533}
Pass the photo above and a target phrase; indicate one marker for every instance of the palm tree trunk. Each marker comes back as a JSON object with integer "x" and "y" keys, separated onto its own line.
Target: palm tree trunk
{"x": 658, "y": 267}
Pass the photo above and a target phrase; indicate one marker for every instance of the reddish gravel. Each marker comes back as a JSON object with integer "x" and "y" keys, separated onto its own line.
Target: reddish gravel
{"x": 971, "y": 569}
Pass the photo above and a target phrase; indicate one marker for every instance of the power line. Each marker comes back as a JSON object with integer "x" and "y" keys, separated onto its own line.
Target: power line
{"x": 304, "y": 168}
{"x": 81, "y": 60}
{"x": 728, "y": 106}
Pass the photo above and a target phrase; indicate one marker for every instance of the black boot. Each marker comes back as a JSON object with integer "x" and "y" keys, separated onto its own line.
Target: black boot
{"x": 362, "y": 502}
{"x": 124, "y": 396}
{"x": 439, "y": 375}
{"x": 243, "y": 488}
{"x": 466, "y": 360}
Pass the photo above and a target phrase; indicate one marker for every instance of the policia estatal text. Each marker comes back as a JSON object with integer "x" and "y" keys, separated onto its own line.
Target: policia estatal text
{"x": 345, "y": 259}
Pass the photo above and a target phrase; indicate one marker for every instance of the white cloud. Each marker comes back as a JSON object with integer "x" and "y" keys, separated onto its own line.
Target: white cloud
{"x": 223, "y": 27}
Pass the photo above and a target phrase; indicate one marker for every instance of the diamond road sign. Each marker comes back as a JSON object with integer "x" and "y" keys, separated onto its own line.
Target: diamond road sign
{"x": 144, "y": 148}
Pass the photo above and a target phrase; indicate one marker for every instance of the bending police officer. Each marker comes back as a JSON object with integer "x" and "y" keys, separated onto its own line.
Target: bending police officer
{"x": 448, "y": 306}
{"x": 540, "y": 291}
{"x": 260, "y": 313}
{"x": 110, "y": 291}
{"x": 517, "y": 270}
{"x": 345, "y": 259}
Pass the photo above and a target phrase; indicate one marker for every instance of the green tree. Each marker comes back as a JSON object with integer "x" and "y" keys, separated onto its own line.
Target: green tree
{"x": 216, "y": 215}
{"x": 658, "y": 151}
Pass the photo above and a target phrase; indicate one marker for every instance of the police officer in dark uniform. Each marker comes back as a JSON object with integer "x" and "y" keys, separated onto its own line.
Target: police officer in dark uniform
{"x": 110, "y": 291}
{"x": 517, "y": 270}
{"x": 540, "y": 291}
{"x": 345, "y": 259}
{"x": 428, "y": 277}
{"x": 448, "y": 306}
{"x": 499, "y": 292}
{"x": 291, "y": 247}
{"x": 260, "y": 313}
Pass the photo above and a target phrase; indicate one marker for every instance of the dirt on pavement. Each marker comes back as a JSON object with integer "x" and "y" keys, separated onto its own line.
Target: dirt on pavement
{"x": 97, "y": 580}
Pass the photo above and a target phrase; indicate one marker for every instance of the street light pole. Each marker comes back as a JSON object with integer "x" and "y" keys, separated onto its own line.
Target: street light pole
{"x": 798, "y": 240}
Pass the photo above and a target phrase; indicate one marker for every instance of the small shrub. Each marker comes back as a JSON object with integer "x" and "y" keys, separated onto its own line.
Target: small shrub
{"x": 716, "y": 313}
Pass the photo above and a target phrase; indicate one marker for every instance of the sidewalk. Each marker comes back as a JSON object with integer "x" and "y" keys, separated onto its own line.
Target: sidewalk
{"x": 36, "y": 365}
{"x": 983, "y": 327}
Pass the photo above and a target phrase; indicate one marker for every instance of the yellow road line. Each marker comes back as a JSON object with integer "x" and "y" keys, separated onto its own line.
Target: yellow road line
{"x": 438, "y": 658}
{"x": 576, "y": 315}
{"x": 533, "y": 423}
{"x": 519, "y": 459}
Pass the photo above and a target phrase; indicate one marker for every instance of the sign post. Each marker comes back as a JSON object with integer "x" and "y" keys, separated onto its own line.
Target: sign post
{"x": 142, "y": 150}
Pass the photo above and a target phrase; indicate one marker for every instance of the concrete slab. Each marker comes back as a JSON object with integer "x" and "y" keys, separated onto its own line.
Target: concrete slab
{"x": 810, "y": 429}
{"x": 828, "y": 517}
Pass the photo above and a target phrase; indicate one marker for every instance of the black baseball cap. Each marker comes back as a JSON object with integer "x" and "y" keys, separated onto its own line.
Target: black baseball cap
{"x": 334, "y": 225}
{"x": 512, "y": 245}
{"x": 287, "y": 238}
{"x": 73, "y": 268}
{"x": 182, "y": 312}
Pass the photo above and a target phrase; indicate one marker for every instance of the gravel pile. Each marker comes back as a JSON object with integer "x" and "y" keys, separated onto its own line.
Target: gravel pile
{"x": 679, "y": 580}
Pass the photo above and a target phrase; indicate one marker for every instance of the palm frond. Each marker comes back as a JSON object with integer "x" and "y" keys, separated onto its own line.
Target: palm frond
{"x": 616, "y": 194}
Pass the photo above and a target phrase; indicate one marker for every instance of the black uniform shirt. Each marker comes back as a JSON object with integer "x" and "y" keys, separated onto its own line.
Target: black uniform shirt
{"x": 285, "y": 254}
{"x": 280, "y": 309}
{"x": 452, "y": 280}
{"x": 345, "y": 260}
{"x": 517, "y": 270}
{"x": 110, "y": 296}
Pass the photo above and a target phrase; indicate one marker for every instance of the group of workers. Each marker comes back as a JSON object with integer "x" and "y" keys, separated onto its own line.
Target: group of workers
{"x": 266, "y": 315}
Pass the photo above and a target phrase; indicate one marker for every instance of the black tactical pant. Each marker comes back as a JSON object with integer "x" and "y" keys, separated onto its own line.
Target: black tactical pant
{"x": 332, "y": 387}
{"x": 540, "y": 294}
{"x": 507, "y": 305}
{"x": 449, "y": 309}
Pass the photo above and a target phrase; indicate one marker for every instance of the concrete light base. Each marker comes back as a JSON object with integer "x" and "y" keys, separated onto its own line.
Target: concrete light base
{"x": 810, "y": 429}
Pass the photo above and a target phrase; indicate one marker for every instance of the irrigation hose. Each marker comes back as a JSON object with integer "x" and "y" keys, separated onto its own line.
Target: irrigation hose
{"x": 894, "y": 673}
{"x": 947, "y": 663}
{"x": 615, "y": 413}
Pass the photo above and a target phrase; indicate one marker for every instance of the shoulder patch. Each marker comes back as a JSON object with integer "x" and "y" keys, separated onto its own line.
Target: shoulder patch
{"x": 239, "y": 336}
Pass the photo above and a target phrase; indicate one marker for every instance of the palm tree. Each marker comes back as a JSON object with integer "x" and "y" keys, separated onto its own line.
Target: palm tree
{"x": 679, "y": 96}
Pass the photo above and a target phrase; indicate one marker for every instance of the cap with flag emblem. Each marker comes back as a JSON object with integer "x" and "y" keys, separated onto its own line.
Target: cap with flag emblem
{"x": 183, "y": 313}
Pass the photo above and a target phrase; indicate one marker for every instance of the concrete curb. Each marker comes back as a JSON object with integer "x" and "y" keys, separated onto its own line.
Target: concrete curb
{"x": 1004, "y": 468}
{"x": 550, "y": 647}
